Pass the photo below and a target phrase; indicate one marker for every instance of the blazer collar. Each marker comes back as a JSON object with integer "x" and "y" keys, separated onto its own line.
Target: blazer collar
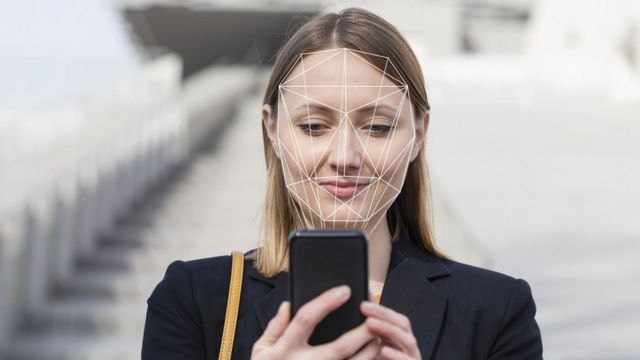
{"x": 410, "y": 267}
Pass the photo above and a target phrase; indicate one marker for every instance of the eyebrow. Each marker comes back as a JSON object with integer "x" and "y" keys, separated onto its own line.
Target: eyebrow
{"x": 378, "y": 109}
{"x": 367, "y": 109}
{"x": 314, "y": 107}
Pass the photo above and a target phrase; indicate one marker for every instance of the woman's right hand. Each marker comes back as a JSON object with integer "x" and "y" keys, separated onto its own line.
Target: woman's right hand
{"x": 288, "y": 339}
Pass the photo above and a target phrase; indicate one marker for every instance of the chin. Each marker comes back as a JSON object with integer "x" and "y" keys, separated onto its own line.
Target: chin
{"x": 330, "y": 224}
{"x": 346, "y": 216}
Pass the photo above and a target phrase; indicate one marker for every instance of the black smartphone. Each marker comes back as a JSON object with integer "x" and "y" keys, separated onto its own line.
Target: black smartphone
{"x": 320, "y": 260}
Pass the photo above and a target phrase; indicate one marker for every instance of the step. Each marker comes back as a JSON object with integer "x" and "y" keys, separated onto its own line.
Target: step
{"x": 151, "y": 259}
{"x": 61, "y": 346}
{"x": 110, "y": 283}
{"x": 184, "y": 235}
{"x": 86, "y": 316}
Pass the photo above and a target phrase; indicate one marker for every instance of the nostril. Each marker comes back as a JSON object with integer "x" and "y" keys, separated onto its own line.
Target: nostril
{"x": 345, "y": 169}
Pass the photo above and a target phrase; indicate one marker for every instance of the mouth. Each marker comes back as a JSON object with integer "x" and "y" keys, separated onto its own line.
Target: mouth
{"x": 344, "y": 189}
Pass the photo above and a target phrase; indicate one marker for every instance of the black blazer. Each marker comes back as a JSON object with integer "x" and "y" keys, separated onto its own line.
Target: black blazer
{"x": 457, "y": 311}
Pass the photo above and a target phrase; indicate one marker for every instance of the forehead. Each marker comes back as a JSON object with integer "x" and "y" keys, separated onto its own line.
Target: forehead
{"x": 343, "y": 66}
{"x": 343, "y": 79}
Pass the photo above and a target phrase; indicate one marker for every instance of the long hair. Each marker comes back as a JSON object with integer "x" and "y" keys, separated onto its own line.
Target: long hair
{"x": 364, "y": 31}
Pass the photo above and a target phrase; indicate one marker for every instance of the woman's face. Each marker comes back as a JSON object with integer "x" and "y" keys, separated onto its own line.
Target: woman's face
{"x": 345, "y": 135}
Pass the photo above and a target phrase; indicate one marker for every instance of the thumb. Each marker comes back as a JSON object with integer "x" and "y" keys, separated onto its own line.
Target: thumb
{"x": 277, "y": 325}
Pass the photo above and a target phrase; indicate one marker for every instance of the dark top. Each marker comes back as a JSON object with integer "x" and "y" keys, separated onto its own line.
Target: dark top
{"x": 457, "y": 311}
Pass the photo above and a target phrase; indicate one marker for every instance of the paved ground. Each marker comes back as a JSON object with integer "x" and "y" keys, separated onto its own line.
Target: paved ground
{"x": 547, "y": 182}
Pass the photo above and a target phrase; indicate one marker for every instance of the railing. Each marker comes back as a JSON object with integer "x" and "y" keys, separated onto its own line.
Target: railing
{"x": 66, "y": 176}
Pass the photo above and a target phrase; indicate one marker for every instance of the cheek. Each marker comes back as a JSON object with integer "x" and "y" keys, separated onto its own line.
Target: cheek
{"x": 389, "y": 157}
{"x": 301, "y": 153}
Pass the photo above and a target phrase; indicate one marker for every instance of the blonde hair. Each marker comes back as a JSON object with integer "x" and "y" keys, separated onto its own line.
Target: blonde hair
{"x": 361, "y": 30}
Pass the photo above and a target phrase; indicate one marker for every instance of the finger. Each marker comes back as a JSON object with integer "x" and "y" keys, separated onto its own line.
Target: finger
{"x": 370, "y": 351}
{"x": 346, "y": 345}
{"x": 397, "y": 336}
{"x": 311, "y": 313}
{"x": 369, "y": 308}
{"x": 276, "y": 325}
{"x": 387, "y": 352}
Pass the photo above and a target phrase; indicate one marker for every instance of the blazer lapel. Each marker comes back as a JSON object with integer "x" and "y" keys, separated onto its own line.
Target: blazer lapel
{"x": 266, "y": 307}
{"x": 409, "y": 290}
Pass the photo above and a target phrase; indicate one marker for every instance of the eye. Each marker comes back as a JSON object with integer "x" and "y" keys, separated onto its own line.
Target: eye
{"x": 312, "y": 128}
{"x": 378, "y": 129}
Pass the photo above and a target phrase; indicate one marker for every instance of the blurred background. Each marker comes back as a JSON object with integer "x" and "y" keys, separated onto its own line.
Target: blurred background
{"x": 130, "y": 137}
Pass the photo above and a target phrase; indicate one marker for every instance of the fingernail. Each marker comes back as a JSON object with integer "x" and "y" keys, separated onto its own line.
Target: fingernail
{"x": 282, "y": 306}
{"x": 342, "y": 291}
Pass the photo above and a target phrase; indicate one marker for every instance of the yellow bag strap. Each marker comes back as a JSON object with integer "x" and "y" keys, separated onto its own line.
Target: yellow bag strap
{"x": 233, "y": 303}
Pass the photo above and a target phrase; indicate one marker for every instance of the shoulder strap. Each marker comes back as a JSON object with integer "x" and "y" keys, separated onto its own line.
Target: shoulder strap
{"x": 233, "y": 302}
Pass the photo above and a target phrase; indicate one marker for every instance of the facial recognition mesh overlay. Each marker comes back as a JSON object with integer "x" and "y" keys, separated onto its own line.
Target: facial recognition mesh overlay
{"x": 345, "y": 133}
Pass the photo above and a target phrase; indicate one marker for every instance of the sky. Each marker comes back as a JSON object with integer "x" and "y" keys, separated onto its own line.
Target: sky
{"x": 52, "y": 52}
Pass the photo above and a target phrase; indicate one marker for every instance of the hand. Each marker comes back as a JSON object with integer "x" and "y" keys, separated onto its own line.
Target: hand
{"x": 288, "y": 339}
{"x": 394, "y": 329}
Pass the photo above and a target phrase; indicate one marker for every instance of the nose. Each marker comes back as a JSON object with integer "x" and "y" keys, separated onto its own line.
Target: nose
{"x": 345, "y": 156}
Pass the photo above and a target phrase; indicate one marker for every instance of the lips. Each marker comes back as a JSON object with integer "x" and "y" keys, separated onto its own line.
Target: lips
{"x": 343, "y": 189}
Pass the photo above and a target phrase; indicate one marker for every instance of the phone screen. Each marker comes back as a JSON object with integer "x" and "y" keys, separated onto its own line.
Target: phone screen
{"x": 322, "y": 259}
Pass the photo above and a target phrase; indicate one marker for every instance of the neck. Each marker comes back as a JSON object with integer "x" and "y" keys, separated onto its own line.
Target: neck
{"x": 379, "y": 247}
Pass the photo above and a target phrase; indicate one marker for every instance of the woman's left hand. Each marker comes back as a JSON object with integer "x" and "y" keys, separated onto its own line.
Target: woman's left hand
{"x": 394, "y": 329}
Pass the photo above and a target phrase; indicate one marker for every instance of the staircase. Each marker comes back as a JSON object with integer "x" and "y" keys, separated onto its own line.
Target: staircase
{"x": 207, "y": 207}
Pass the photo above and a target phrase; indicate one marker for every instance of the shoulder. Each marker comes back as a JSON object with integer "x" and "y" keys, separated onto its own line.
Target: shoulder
{"x": 204, "y": 279}
{"x": 188, "y": 302}
{"x": 211, "y": 273}
{"x": 484, "y": 286}
{"x": 210, "y": 270}
{"x": 488, "y": 283}
{"x": 501, "y": 302}
{"x": 182, "y": 280}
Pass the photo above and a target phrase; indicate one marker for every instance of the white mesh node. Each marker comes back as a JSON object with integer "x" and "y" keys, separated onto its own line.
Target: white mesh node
{"x": 345, "y": 133}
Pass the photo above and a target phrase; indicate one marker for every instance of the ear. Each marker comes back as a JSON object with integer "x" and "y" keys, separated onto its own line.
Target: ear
{"x": 270, "y": 124}
{"x": 421, "y": 135}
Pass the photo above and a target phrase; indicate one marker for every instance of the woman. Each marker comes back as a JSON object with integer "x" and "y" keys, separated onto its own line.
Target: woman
{"x": 344, "y": 119}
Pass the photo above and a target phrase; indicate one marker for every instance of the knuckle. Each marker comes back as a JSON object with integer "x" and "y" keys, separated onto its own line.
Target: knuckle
{"x": 304, "y": 318}
{"x": 405, "y": 322}
{"x": 412, "y": 342}
{"x": 341, "y": 347}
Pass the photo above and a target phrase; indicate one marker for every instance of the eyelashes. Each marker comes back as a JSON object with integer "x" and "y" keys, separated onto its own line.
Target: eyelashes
{"x": 318, "y": 129}
{"x": 380, "y": 129}
{"x": 314, "y": 129}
